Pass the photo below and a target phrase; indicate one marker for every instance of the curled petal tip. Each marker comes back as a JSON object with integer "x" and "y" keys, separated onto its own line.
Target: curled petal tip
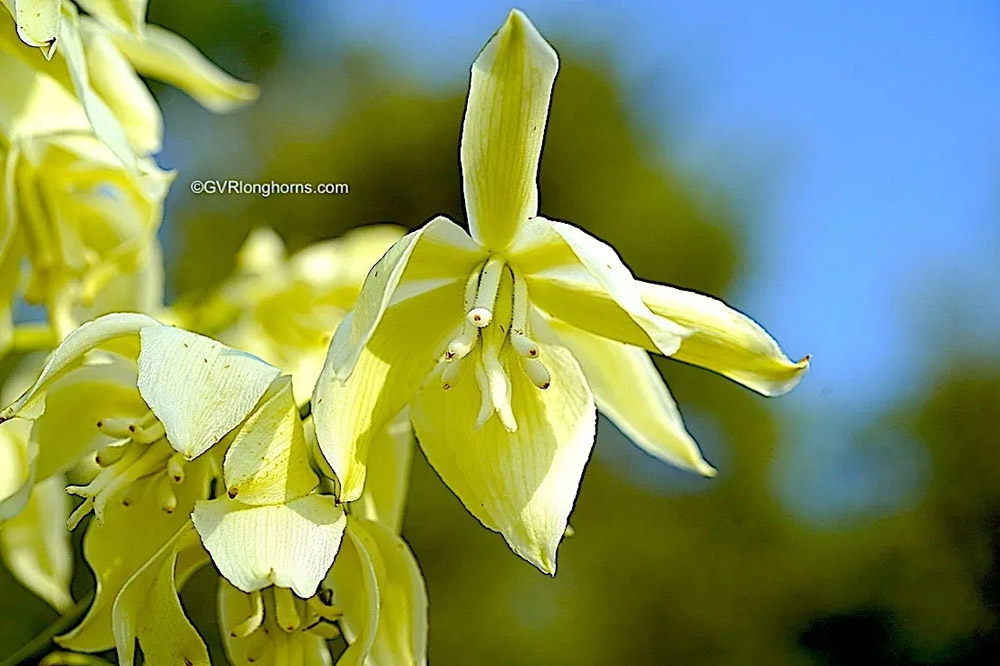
{"x": 707, "y": 470}
{"x": 805, "y": 361}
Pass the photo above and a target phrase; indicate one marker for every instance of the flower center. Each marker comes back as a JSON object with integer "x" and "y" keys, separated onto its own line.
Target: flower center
{"x": 495, "y": 335}
{"x": 276, "y": 610}
{"x": 141, "y": 460}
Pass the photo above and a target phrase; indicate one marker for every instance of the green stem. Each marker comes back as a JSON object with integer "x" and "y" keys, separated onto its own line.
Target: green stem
{"x": 42, "y": 641}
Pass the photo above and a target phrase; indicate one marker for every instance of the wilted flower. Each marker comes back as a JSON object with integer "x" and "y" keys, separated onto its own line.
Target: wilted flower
{"x": 501, "y": 342}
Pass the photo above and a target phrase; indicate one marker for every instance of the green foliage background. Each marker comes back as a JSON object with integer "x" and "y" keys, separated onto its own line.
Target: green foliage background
{"x": 664, "y": 568}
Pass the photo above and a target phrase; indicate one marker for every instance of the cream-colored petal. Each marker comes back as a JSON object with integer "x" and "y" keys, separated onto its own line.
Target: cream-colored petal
{"x": 198, "y": 388}
{"x": 36, "y": 548}
{"x": 164, "y": 55}
{"x": 70, "y": 353}
{"x": 629, "y": 391}
{"x": 725, "y": 340}
{"x": 38, "y": 23}
{"x": 388, "y": 478}
{"x": 503, "y": 130}
{"x": 268, "y": 462}
{"x": 344, "y": 262}
{"x": 437, "y": 253}
{"x": 123, "y": 543}
{"x": 289, "y": 545}
{"x": 401, "y": 637}
{"x": 114, "y": 79}
{"x": 149, "y": 610}
{"x": 74, "y": 405}
{"x": 522, "y": 484}
{"x": 397, "y": 359}
{"x": 355, "y": 589}
{"x": 577, "y": 278}
{"x": 34, "y": 104}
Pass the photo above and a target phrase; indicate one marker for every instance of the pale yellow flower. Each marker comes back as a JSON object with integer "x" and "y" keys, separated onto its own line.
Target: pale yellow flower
{"x": 503, "y": 341}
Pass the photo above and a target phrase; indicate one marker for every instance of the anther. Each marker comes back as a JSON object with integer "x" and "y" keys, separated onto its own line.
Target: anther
{"x": 285, "y": 611}
{"x": 481, "y": 313}
{"x": 148, "y": 434}
{"x": 256, "y": 617}
{"x": 116, "y": 428}
{"x": 175, "y": 467}
{"x": 451, "y": 374}
{"x": 110, "y": 454}
{"x": 536, "y": 372}
{"x": 165, "y": 496}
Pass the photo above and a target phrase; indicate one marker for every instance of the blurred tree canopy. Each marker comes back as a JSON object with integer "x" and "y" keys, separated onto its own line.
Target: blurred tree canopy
{"x": 664, "y": 568}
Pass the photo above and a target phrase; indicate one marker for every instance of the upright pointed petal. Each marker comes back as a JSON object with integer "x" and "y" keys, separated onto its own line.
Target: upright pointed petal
{"x": 401, "y": 637}
{"x": 268, "y": 462}
{"x": 503, "y": 130}
{"x": 198, "y": 388}
{"x": 522, "y": 484}
{"x": 164, "y": 55}
{"x": 631, "y": 393}
{"x": 407, "y": 344}
{"x": 435, "y": 254}
{"x": 725, "y": 340}
{"x": 149, "y": 609}
{"x": 355, "y": 589}
{"x": 71, "y": 352}
{"x": 289, "y": 545}
{"x": 576, "y": 278}
{"x": 388, "y": 478}
{"x": 35, "y": 545}
{"x": 38, "y": 23}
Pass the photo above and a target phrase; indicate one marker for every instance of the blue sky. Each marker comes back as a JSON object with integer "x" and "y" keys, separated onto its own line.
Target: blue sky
{"x": 877, "y": 129}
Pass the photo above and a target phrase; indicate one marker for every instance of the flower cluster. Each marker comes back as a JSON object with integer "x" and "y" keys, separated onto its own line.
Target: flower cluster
{"x": 266, "y": 429}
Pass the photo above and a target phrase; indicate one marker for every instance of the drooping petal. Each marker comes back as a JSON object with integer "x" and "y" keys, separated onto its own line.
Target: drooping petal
{"x": 522, "y": 484}
{"x": 725, "y": 340}
{"x": 629, "y": 391}
{"x": 38, "y": 23}
{"x": 289, "y": 545}
{"x": 70, "y": 353}
{"x": 503, "y": 129}
{"x": 268, "y": 462}
{"x": 36, "y": 548}
{"x": 122, "y": 14}
{"x": 68, "y": 429}
{"x": 438, "y": 253}
{"x": 406, "y": 346}
{"x": 576, "y": 278}
{"x": 149, "y": 610}
{"x": 384, "y": 497}
{"x": 35, "y": 104}
{"x": 355, "y": 589}
{"x": 401, "y": 637}
{"x": 164, "y": 55}
{"x": 122, "y": 544}
{"x": 114, "y": 79}
{"x": 106, "y": 125}
{"x": 17, "y": 467}
{"x": 198, "y": 388}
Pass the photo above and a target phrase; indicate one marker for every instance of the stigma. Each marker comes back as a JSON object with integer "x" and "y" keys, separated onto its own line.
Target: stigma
{"x": 494, "y": 338}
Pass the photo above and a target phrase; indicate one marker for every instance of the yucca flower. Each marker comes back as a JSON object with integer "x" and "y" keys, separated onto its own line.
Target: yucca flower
{"x": 97, "y": 59}
{"x": 501, "y": 340}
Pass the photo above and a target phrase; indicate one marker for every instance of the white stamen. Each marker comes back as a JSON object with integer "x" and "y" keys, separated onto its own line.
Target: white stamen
{"x": 117, "y": 428}
{"x": 175, "y": 467}
{"x": 79, "y": 513}
{"x": 536, "y": 372}
{"x": 149, "y": 434}
{"x": 285, "y": 611}
{"x": 524, "y": 345}
{"x": 451, "y": 374}
{"x": 486, "y": 296}
{"x": 253, "y": 622}
{"x": 110, "y": 454}
{"x": 165, "y": 496}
